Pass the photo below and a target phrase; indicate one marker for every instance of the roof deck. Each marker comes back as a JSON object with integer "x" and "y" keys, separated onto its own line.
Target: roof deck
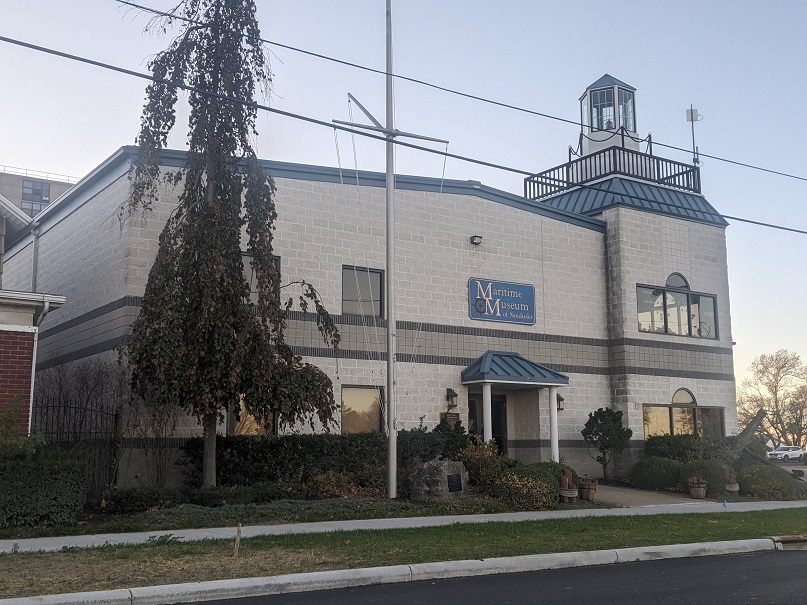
{"x": 613, "y": 161}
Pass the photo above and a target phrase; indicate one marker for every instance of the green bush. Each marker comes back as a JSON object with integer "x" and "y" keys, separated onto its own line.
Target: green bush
{"x": 220, "y": 495}
{"x": 139, "y": 499}
{"x": 546, "y": 474}
{"x": 454, "y": 440}
{"x": 524, "y": 492}
{"x": 45, "y": 488}
{"x": 653, "y": 472}
{"x": 683, "y": 448}
{"x": 246, "y": 460}
{"x": 417, "y": 445}
{"x": 770, "y": 483}
{"x": 484, "y": 464}
{"x": 269, "y": 491}
{"x": 710, "y": 470}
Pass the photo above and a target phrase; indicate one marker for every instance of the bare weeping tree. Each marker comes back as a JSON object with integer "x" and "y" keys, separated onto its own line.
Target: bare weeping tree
{"x": 199, "y": 343}
{"x": 778, "y": 384}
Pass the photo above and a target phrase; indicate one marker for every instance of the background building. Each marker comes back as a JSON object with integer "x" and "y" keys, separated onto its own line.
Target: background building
{"x": 605, "y": 285}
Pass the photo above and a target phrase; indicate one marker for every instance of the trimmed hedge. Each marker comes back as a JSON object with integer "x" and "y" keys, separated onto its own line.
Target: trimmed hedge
{"x": 41, "y": 490}
{"x": 247, "y": 460}
{"x": 654, "y": 472}
{"x": 710, "y": 470}
{"x": 771, "y": 483}
{"x": 543, "y": 473}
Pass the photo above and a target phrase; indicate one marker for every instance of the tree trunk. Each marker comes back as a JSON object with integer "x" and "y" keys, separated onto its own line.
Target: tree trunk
{"x": 209, "y": 423}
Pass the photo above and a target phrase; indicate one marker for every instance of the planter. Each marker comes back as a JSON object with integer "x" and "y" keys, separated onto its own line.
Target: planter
{"x": 568, "y": 495}
{"x": 587, "y": 492}
{"x": 697, "y": 491}
{"x": 733, "y": 489}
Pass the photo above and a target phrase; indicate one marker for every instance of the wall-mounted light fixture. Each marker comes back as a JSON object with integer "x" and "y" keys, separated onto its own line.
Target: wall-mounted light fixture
{"x": 451, "y": 395}
{"x": 476, "y": 240}
{"x": 560, "y": 402}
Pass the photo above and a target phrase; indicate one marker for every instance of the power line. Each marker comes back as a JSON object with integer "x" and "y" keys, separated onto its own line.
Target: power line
{"x": 460, "y": 93}
{"x": 329, "y": 125}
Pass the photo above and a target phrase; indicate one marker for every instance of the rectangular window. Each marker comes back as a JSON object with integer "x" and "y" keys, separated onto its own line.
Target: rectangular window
{"x": 361, "y": 409}
{"x": 602, "y": 109}
{"x": 362, "y": 291}
{"x": 656, "y": 420}
{"x": 626, "y": 110}
{"x": 249, "y": 274}
{"x": 682, "y": 420}
{"x": 676, "y": 311}
{"x": 35, "y": 191}
{"x": 650, "y": 306}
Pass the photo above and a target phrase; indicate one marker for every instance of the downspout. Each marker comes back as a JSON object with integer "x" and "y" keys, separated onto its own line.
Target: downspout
{"x": 37, "y": 322}
{"x": 35, "y": 257}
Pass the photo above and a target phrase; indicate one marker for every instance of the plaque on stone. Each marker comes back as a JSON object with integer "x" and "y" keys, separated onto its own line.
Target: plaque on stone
{"x": 438, "y": 480}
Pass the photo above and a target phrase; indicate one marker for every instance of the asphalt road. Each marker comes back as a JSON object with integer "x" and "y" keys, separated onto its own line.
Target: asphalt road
{"x": 759, "y": 578}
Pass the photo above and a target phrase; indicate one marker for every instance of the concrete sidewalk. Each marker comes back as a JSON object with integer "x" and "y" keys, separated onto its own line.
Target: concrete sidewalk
{"x": 629, "y": 502}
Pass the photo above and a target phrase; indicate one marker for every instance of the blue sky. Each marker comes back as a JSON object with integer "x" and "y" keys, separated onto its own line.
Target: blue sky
{"x": 738, "y": 63}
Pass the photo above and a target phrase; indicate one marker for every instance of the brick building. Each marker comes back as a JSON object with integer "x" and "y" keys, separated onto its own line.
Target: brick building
{"x": 604, "y": 285}
{"x": 21, "y": 312}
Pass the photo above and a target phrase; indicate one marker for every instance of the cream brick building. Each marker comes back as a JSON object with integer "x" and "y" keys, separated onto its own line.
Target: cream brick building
{"x": 615, "y": 261}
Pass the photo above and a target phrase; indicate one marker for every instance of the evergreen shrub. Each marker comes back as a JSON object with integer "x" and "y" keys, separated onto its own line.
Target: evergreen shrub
{"x": 710, "y": 470}
{"x": 48, "y": 488}
{"x": 653, "y": 472}
{"x": 770, "y": 483}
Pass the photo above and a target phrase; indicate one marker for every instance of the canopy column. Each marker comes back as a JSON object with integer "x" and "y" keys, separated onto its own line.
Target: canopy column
{"x": 487, "y": 416}
{"x": 554, "y": 450}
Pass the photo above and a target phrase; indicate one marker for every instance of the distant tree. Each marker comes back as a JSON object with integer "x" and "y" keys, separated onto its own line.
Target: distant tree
{"x": 778, "y": 384}
{"x": 604, "y": 432}
{"x": 199, "y": 343}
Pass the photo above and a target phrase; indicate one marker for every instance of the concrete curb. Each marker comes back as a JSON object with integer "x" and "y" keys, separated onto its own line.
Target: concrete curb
{"x": 253, "y": 587}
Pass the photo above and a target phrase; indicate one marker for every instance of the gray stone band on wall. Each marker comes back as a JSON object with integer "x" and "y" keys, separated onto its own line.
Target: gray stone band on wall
{"x": 363, "y": 338}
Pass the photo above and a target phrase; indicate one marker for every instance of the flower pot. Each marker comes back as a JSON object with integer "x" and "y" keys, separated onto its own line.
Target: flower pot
{"x": 697, "y": 491}
{"x": 587, "y": 492}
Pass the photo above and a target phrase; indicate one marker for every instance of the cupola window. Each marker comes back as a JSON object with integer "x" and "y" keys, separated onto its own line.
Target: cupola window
{"x": 602, "y": 109}
{"x": 626, "y": 110}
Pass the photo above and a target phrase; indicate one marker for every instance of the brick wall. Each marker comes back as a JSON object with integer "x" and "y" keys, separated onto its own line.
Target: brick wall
{"x": 16, "y": 357}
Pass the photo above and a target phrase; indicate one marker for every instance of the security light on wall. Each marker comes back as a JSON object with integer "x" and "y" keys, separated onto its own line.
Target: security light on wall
{"x": 451, "y": 395}
{"x": 476, "y": 240}
{"x": 560, "y": 402}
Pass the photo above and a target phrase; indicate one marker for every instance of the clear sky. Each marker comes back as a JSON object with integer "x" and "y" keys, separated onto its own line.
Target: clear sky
{"x": 738, "y": 63}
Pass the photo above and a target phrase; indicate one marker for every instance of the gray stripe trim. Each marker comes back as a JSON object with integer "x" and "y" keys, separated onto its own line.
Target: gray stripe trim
{"x": 111, "y": 344}
{"x": 358, "y": 320}
{"x": 567, "y": 443}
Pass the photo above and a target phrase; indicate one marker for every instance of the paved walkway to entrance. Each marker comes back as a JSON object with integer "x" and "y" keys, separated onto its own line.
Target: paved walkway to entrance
{"x": 628, "y": 501}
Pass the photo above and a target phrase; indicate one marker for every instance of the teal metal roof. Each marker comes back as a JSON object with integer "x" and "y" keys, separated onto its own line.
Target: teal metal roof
{"x": 592, "y": 199}
{"x": 609, "y": 80}
{"x": 498, "y": 366}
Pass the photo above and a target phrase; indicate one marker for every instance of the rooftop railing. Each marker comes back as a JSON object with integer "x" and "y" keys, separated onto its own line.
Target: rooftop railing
{"x": 612, "y": 161}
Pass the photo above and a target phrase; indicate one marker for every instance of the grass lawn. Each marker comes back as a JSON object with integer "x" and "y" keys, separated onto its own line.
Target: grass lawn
{"x": 188, "y": 516}
{"x": 166, "y": 562}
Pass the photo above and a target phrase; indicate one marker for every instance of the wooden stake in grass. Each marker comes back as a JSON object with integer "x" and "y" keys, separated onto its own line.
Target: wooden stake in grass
{"x": 237, "y": 540}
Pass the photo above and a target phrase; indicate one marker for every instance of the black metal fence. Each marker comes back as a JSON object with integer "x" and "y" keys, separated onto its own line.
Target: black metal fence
{"x": 613, "y": 160}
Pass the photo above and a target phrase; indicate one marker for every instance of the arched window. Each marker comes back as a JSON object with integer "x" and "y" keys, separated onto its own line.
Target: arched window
{"x": 683, "y": 416}
{"x": 676, "y": 280}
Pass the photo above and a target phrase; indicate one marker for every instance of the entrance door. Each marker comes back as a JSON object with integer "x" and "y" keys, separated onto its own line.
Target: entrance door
{"x": 498, "y": 413}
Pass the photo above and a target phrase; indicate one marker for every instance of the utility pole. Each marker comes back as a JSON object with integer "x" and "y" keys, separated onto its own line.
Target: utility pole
{"x": 390, "y": 133}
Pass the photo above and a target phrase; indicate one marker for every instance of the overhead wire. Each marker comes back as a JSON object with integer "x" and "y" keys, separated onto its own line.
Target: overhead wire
{"x": 368, "y": 135}
{"x": 461, "y": 93}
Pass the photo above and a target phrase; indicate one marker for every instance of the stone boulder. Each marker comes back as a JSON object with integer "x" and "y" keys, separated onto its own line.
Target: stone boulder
{"x": 439, "y": 480}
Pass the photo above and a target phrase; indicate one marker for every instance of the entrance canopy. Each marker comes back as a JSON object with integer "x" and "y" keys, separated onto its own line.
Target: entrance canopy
{"x": 511, "y": 368}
